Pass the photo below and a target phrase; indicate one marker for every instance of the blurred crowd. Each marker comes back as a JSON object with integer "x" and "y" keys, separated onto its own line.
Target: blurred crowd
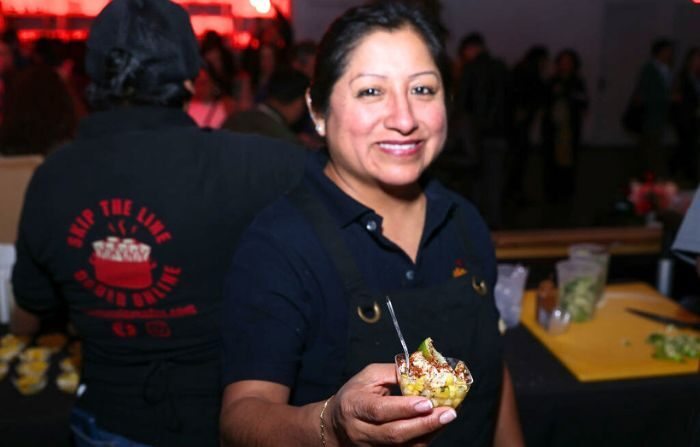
{"x": 499, "y": 115}
{"x": 503, "y": 114}
{"x": 260, "y": 89}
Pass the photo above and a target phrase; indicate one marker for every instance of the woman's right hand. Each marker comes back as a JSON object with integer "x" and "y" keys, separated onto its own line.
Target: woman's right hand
{"x": 362, "y": 413}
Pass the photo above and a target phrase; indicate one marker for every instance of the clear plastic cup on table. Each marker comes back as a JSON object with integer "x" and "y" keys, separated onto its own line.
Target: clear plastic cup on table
{"x": 510, "y": 287}
{"x": 577, "y": 281}
{"x": 598, "y": 254}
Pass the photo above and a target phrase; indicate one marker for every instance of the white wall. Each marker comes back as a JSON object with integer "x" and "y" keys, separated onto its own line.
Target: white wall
{"x": 510, "y": 27}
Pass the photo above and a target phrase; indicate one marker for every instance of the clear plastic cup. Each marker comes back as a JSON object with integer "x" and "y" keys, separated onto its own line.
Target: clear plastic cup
{"x": 578, "y": 287}
{"x": 509, "y": 290}
{"x": 448, "y": 394}
{"x": 596, "y": 253}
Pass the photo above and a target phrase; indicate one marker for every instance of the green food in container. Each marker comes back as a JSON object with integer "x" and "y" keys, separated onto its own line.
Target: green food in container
{"x": 579, "y": 298}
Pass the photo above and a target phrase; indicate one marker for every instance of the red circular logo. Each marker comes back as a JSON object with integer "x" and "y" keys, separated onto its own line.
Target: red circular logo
{"x": 158, "y": 328}
{"x": 124, "y": 329}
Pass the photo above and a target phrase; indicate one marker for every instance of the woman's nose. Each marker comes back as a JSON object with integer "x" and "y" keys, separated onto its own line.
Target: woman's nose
{"x": 400, "y": 116}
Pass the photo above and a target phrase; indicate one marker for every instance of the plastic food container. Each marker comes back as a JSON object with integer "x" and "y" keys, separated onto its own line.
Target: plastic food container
{"x": 444, "y": 390}
{"x": 595, "y": 253}
{"x": 578, "y": 288}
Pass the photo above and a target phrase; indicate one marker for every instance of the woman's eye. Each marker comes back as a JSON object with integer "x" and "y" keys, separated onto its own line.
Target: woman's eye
{"x": 368, "y": 92}
{"x": 423, "y": 90}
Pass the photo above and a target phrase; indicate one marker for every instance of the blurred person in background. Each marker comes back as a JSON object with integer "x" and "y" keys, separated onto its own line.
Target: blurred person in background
{"x": 224, "y": 71}
{"x": 132, "y": 226}
{"x": 276, "y": 116}
{"x": 41, "y": 113}
{"x": 11, "y": 38}
{"x": 209, "y": 105}
{"x": 566, "y": 104}
{"x": 686, "y": 119}
{"x": 483, "y": 100}
{"x": 302, "y": 57}
{"x": 653, "y": 92}
{"x": 72, "y": 71}
{"x": 529, "y": 96}
{"x": 219, "y": 60}
{"x": 67, "y": 59}
{"x": 260, "y": 63}
{"x": 7, "y": 64}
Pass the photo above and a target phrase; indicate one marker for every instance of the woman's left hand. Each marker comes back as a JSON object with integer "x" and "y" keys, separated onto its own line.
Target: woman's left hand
{"x": 362, "y": 413}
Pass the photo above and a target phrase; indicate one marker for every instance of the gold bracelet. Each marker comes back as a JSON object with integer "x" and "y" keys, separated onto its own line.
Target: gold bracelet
{"x": 323, "y": 424}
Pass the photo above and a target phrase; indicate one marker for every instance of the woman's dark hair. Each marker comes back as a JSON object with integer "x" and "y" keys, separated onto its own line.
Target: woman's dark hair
{"x": 41, "y": 113}
{"x": 345, "y": 33}
{"x": 571, "y": 53}
{"x": 140, "y": 52}
{"x": 129, "y": 79}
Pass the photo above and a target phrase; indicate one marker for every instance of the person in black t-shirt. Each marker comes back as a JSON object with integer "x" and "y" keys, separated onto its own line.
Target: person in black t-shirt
{"x": 133, "y": 226}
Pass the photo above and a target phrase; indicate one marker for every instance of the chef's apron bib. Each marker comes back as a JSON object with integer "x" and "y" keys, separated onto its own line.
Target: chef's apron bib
{"x": 459, "y": 315}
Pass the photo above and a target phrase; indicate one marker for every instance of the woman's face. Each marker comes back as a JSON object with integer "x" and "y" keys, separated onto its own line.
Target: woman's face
{"x": 386, "y": 120}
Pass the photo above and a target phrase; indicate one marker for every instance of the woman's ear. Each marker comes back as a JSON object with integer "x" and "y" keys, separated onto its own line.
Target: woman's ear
{"x": 319, "y": 122}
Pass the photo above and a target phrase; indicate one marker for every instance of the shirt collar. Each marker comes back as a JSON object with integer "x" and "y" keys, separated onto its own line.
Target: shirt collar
{"x": 342, "y": 207}
{"x": 123, "y": 119}
{"x": 347, "y": 210}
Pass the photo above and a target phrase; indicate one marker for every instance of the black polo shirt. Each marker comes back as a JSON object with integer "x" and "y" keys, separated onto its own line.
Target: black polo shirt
{"x": 285, "y": 311}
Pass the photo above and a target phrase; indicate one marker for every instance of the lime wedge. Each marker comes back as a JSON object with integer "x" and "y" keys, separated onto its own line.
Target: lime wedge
{"x": 430, "y": 353}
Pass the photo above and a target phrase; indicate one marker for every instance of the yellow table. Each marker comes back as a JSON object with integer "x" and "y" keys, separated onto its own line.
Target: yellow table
{"x": 612, "y": 345}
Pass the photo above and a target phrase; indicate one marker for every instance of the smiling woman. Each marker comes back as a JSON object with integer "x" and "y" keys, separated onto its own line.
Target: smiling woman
{"x": 387, "y": 119}
{"x": 385, "y": 124}
{"x": 365, "y": 223}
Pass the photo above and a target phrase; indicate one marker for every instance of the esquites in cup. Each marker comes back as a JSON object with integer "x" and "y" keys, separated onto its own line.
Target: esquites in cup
{"x": 443, "y": 380}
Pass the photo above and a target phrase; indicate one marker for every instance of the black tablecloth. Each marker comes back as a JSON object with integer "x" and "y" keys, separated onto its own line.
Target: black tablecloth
{"x": 37, "y": 420}
{"x": 557, "y": 410}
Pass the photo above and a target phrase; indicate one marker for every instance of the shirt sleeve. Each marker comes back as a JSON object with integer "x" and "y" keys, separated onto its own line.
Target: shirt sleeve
{"x": 265, "y": 313}
{"x": 33, "y": 288}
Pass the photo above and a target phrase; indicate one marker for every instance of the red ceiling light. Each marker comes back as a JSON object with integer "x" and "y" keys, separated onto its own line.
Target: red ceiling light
{"x": 70, "y": 19}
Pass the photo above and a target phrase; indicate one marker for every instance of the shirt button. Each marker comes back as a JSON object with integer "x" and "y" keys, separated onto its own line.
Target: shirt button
{"x": 371, "y": 225}
{"x": 410, "y": 274}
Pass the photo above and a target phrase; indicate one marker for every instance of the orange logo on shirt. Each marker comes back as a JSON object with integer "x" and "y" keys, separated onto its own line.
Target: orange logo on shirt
{"x": 459, "y": 269}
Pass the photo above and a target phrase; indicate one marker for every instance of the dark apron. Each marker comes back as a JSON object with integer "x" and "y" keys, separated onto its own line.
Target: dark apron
{"x": 459, "y": 315}
{"x": 162, "y": 403}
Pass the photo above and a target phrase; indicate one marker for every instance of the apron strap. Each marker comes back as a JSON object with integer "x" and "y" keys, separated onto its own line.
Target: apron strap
{"x": 474, "y": 261}
{"x": 463, "y": 231}
{"x": 331, "y": 239}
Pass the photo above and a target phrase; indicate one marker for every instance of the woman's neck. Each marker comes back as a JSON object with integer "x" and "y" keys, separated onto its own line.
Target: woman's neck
{"x": 381, "y": 198}
{"x": 402, "y": 208}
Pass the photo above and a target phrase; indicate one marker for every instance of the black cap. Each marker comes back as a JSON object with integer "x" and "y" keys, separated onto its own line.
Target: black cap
{"x": 157, "y": 32}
